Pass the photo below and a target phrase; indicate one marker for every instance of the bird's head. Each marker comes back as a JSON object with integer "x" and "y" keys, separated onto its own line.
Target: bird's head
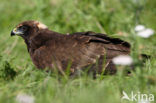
{"x": 28, "y": 28}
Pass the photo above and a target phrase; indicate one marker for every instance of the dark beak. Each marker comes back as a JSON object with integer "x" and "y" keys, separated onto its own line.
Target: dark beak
{"x": 16, "y": 31}
{"x": 12, "y": 33}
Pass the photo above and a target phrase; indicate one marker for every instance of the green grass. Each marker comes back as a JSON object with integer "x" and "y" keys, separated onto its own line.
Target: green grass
{"x": 117, "y": 18}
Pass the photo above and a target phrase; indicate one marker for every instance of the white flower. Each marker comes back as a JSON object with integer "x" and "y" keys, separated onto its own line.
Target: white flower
{"x": 139, "y": 28}
{"x": 143, "y": 32}
{"x": 122, "y": 60}
{"x": 24, "y": 98}
{"x": 146, "y": 33}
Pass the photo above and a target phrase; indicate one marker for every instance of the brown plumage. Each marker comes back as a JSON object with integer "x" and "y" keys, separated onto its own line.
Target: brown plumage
{"x": 51, "y": 50}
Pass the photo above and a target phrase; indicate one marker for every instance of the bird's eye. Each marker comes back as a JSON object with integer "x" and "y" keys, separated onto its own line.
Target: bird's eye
{"x": 23, "y": 28}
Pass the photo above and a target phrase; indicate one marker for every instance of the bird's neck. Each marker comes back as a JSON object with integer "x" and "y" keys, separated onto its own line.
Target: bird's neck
{"x": 32, "y": 45}
{"x": 41, "y": 39}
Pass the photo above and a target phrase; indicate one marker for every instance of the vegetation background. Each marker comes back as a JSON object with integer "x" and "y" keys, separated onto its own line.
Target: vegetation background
{"x": 116, "y": 18}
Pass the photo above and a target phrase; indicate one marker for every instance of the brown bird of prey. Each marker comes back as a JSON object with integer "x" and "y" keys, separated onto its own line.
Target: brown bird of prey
{"x": 82, "y": 50}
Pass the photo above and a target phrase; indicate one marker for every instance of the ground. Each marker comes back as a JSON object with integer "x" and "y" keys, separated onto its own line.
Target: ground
{"x": 117, "y": 18}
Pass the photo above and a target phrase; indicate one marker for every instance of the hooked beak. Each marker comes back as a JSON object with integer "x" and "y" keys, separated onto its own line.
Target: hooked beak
{"x": 16, "y": 31}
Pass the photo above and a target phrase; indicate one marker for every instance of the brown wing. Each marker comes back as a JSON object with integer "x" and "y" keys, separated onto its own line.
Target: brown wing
{"x": 109, "y": 47}
{"x": 78, "y": 50}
